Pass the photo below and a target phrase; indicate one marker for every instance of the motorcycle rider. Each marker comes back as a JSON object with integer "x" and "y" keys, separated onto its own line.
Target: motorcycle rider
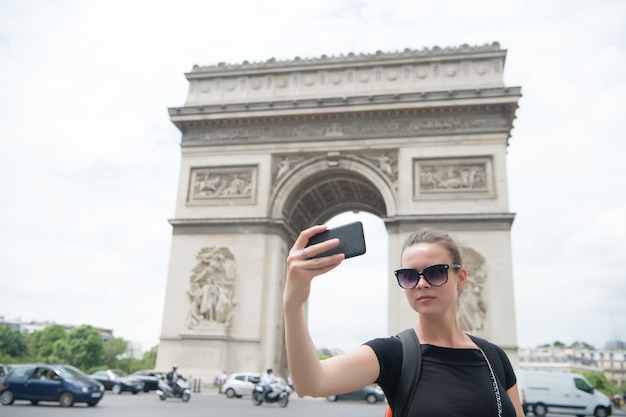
{"x": 267, "y": 379}
{"x": 172, "y": 377}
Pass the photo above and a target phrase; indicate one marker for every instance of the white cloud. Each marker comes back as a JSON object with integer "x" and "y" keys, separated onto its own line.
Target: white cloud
{"x": 89, "y": 159}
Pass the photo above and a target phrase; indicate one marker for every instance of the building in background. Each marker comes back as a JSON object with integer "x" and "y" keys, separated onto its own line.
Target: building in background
{"x": 611, "y": 360}
{"x": 35, "y": 326}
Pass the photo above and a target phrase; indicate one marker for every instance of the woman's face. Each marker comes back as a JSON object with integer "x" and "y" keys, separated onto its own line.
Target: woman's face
{"x": 425, "y": 298}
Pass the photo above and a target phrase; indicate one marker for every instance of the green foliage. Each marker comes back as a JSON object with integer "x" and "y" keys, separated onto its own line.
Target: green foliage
{"x": 576, "y": 344}
{"x": 582, "y": 345}
{"x": 43, "y": 346}
{"x": 12, "y": 344}
{"x": 85, "y": 347}
{"x": 112, "y": 351}
{"x": 602, "y": 384}
{"x": 148, "y": 360}
{"x": 81, "y": 347}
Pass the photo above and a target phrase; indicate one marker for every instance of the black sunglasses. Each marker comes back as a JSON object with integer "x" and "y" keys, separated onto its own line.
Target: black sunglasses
{"x": 435, "y": 275}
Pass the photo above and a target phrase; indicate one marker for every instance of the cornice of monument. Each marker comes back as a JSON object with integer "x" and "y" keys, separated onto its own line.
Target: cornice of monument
{"x": 235, "y": 225}
{"x": 351, "y": 58}
{"x": 179, "y": 115}
{"x": 367, "y": 75}
{"x": 452, "y": 221}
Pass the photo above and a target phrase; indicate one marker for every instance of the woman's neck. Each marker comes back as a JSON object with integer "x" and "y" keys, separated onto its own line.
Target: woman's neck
{"x": 443, "y": 334}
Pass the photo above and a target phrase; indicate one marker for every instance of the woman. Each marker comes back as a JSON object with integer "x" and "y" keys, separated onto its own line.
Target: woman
{"x": 456, "y": 379}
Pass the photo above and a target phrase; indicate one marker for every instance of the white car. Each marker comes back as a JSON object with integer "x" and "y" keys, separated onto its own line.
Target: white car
{"x": 240, "y": 384}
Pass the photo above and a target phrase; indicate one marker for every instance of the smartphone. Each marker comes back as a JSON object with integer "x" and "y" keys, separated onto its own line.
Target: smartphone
{"x": 351, "y": 240}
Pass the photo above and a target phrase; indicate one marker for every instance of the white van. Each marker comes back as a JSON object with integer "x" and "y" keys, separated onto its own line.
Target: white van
{"x": 560, "y": 392}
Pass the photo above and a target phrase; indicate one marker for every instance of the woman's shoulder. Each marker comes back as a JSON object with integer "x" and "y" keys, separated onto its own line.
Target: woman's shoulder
{"x": 387, "y": 349}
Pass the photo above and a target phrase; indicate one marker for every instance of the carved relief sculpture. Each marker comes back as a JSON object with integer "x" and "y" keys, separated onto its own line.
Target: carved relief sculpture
{"x": 453, "y": 177}
{"x": 222, "y": 184}
{"x": 387, "y": 164}
{"x": 472, "y": 310}
{"x": 447, "y": 178}
{"x": 211, "y": 289}
{"x": 284, "y": 166}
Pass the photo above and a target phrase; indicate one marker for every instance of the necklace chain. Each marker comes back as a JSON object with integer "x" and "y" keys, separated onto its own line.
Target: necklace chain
{"x": 494, "y": 382}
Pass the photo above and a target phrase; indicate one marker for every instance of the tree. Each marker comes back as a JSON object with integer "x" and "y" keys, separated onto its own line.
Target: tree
{"x": 148, "y": 360}
{"x": 599, "y": 381}
{"x": 582, "y": 345}
{"x": 85, "y": 347}
{"x": 81, "y": 347}
{"x": 12, "y": 345}
{"x": 60, "y": 352}
{"x": 113, "y": 350}
{"x": 41, "y": 344}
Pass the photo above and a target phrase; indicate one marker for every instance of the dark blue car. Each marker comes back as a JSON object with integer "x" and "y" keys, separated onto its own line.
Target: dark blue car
{"x": 42, "y": 382}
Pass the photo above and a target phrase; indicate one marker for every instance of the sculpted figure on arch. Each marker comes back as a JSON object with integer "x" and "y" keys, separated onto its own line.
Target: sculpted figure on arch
{"x": 211, "y": 294}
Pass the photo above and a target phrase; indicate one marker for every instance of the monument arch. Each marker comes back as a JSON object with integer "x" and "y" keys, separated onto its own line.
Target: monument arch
{"x": 326, "y": 184}
{"x": 417, "y": 138}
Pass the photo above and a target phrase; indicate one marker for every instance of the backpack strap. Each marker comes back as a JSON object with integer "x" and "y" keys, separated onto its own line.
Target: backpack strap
{"x": 409, "y": 373}
{"x": 494, "y": 357}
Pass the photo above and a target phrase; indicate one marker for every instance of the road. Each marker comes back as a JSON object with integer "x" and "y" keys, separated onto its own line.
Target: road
{"x": 200, "y": 405}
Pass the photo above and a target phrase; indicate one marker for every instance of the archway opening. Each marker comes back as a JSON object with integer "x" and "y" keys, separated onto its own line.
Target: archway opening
{"x": 348, "y": 305}
{"x": 321, "y": 196}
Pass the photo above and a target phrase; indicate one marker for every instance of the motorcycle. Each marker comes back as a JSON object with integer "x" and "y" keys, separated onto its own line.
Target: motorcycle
{"x": 279, "y": 393}
{"x": 182, "y": 391}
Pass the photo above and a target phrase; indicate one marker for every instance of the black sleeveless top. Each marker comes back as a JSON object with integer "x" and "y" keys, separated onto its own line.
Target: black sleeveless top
{"x": 453, "y": 383}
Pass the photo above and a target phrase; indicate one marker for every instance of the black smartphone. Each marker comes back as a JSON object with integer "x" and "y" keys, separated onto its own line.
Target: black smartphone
{"x": 351, "y": 240}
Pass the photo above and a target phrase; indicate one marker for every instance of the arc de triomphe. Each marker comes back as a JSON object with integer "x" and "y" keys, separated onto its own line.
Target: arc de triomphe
{"x": 417, "y": 137}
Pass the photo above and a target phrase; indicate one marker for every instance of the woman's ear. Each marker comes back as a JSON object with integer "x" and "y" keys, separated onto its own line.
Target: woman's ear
{"x": 462, "y": 277}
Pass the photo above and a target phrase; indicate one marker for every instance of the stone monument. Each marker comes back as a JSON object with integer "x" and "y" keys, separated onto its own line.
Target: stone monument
{"x": 416, "y": 137}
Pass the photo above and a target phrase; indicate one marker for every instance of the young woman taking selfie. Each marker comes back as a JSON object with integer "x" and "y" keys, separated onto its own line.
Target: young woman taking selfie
{"x": 457, "y": 378}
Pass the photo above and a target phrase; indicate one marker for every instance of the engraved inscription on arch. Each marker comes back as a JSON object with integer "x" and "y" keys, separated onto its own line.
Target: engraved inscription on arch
{"x": 447, "y": 178}
{"x": 384, "y": 124}
{"x": 222, "y": 185}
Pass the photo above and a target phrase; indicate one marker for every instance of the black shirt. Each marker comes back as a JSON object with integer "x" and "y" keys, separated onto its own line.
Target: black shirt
{"x": 453, "y": 383}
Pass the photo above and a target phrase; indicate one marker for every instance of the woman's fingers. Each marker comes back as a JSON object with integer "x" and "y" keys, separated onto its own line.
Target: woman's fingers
{"x": 305, "y": 252}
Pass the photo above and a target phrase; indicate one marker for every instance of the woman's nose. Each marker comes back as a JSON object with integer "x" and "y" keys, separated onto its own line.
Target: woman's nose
{"x": 421, "y": 281}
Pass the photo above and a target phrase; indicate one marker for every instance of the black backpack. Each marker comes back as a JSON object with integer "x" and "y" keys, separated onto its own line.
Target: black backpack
{"x": 412, "y": 368}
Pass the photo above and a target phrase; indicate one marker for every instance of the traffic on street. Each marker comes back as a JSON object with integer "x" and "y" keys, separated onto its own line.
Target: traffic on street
{"x": 200, "y": 405}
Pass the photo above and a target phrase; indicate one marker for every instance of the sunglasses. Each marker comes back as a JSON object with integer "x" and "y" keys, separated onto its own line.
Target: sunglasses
{"x": 435, "y": 275}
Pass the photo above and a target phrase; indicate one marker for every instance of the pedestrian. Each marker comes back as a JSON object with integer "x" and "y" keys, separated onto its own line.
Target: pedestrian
{"x": 456, "y": 377}
{"x": 222, "y": 380}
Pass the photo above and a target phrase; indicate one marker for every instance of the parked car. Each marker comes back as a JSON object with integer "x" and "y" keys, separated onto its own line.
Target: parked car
{"x": 559, "y": 392}
{"x": 117, "y": 381}
{"x": 150, "y": 379}
{"x": 370, "y": 394}
{"x": 240, "y": 384}
{"x": 41, "y": 382}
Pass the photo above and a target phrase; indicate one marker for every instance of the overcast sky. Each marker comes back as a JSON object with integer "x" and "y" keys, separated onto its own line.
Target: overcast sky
{"x": 89, "y": 159}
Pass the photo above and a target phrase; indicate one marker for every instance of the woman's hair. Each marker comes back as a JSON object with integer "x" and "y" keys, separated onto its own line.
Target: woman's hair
{"x": 434, "y": 236}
